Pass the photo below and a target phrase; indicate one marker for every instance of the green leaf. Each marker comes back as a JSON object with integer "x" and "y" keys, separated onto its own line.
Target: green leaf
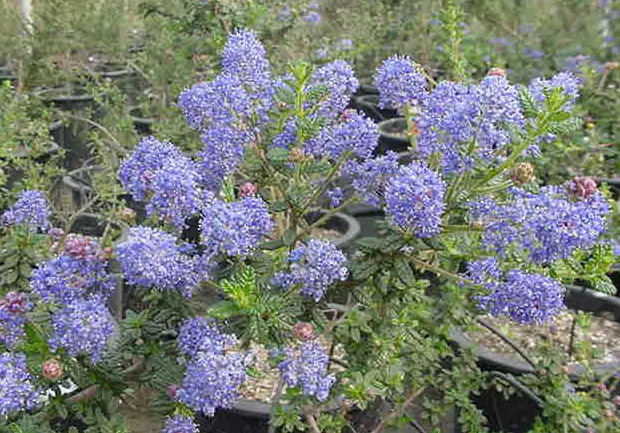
{"x": 603, "y": 284}
{"x": 289, "y": 237}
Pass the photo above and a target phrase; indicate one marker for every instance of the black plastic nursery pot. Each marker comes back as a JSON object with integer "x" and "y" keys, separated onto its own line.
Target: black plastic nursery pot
{"x": 7, "y": 75}
{"x": 517, "y": 413}
{"x": 346, "y": 225}
{"x": 369, "y": 105}
{"x": 67, "y": 97}
{"x": 143, "y": 125}
{"x": 393, "y": 136}
{"x": 245, "y": 417}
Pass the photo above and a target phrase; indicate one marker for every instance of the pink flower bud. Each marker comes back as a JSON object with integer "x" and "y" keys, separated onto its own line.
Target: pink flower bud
{"x": 304, "y": 330}
{"x": 15, "y": 302}
{"x": 172, "y": 391}
{"x": 52, "y": 369}
{"x": 496, "y": 72}
{"x": 583, "y": 187}
{"x": 248, "y": 189}
{"x": 56, "y": 233}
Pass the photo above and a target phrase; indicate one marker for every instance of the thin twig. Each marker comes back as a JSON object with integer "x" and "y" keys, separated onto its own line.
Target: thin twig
{"x": 521, "y": 387}
{"x": 399, "y": 410}
{"x": 312, "y": 422}
{"x": 508, "y": 341}
{"x": 417, "y": 426}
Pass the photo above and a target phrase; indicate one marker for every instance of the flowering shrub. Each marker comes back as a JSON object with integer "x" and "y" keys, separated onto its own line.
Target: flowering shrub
{"x": 237, "y": 217}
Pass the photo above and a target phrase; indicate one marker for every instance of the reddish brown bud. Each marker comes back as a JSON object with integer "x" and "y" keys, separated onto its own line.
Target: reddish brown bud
{"x": 172, "y": 391}
{"x": 248, "y": 189}
{"x": 127, "y": 214}
{"x": 52, "y": 369}
{"x": 523, "y": 173}
{"x": 583, "y": 187}
{"x": 496, "y": 72}
{"x": 348, "y": 113}
{"x": 297, "y": 154}
{"x": 304, "y": 330}
{"x": 616, "y": 400}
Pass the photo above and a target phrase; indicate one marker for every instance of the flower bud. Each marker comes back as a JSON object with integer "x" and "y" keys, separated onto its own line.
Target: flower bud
{"x": 496, "y": 72}
{"x": 297, "y": 155}
{"x": 583, "y": 187}
{"x": 281, "y": 105}
{"x": 172, "y": 391}
{"x": 602, "y": 387}
{"x": 15, "y": 302}
{"x": 56, "y": 233}
{"x": 248, "y": 189}
{"x": 52, "y": 369}
{"x": 610, "y": 66}
{"x": 348, "y": 114}
{"x": 304, "y": 330}
{"x": 126, "y": 214}
{"x": 523, "y": 173}
{"x": 609, "y": 414}
{"x": 616, "y": 400}
{"x": 413, "y": 129}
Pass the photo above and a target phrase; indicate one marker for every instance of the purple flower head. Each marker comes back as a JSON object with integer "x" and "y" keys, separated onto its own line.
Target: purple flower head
{"x": 336, "y": 197}
{"x": 81, "y": 247}
{"x": 315, "y": 265}
{"x": 175, "y": 192}
{"x": 548, "y": 226}
{"x": 17, "y": 390}
{"x": 564, "y": 80}
{"x": 368, "y": 178}
{"x": 245, "y": 57}
{"x": 83, "y": 327}
{"x": 31, "y": 210}
{"x": 222, "y": 152}
{"x": 456, "y": 117}
{"x": 64, "y": 279}
{"x": 200, "y": 334}
{"x": 223, "y": 101}
{"x": 235, "y": 228}
{"x": 151, "y": 258}
{"x": 339, "y": 79}
{"x": 139, "y": 170}
{"x": 524, "y": 297}
{"x": 414, "y": 199}
{"x": 313, "y": 17}
{"x": 306, "y": 367}
{"x": 400, "y": 83}
{"x": 180, "y": 424}
{"x": 356, "y": 134}
{"x": 484, "y": 270}
{"x": 212, "y": 381}
{"x": 12, "y": 309}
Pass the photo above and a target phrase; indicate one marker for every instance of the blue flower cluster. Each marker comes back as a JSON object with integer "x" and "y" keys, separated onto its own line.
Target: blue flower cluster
{"x": 159, "y": 172}
{"x": 201, "y": 334}
{"x": 213, "y": 375}
{"x": 564, "y": 80}
{"x": 315, "y": 265}
{"x": 235, "y": 228}
{"x": 306, "y": 367}
{"x": 31, "y": 210}
{"x": 414, "y": 199}
{"x": 355, "y": 135}
{"x": 151, "y": 258}
{"x": 17, "y": 390}
{"x": 368, "y": 178}
{"x": 524, "y": 297}
{"x": 12, "y": 309}
{"x": 84, "y": 326}
{"x": 549, "y": 225}
{"x": 400, "y": 83}
{"x": 461, "y": 123}
{"x": 245, "y": 57}
{"x": 73, "y": 274}
{"x": 180, "y": 424}
{"x": 339, "y": 80}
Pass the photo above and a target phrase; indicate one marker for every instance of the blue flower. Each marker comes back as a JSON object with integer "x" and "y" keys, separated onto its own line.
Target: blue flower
{"x": 66, "y": 278}
{"x": 151, "y": 258}
{"x": 83, "y": 327}
{"x": 235, "y": 228}
{"x": 245, "y": 57}
{"x": 564, "y": 80}
{"x": 315, "y": 265}
{"x": 17, "y": 390}
{"x": 400, "y": 83}
{"x": 200, "y": 334}
{"x": 356, "y": 135}
{"x": 524, "y": 297}
{"x": 212, "y": 381}
{"x": 368, "y": 178}
{"x": 414, "y": 199}
{"x": 31, "y": 210}
{"x": 180, "y": 424}
{"x": 306, "y": 367}
{"x": 339, "y": 79}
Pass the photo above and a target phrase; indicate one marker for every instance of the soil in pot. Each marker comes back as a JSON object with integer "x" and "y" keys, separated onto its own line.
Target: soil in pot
{"x": 516, "y": 414}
